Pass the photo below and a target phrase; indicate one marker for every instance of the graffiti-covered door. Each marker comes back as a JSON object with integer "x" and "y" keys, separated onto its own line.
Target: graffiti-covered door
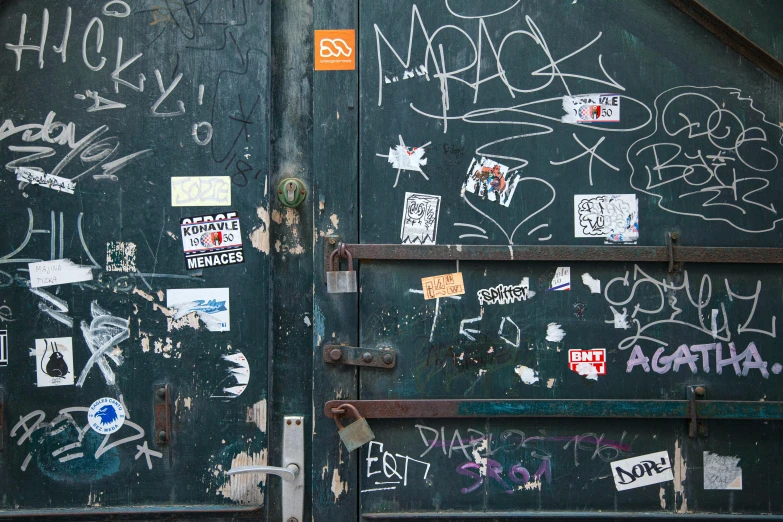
{"x": 567, "y": 215}
{"x": 134, "y": 259}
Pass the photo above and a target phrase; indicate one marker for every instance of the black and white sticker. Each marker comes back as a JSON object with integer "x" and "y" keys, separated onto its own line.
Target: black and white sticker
{"x": 3, "y": 347}
{"x": 212, "y": 240}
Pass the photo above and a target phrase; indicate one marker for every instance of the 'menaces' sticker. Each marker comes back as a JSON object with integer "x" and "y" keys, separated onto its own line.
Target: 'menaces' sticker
{"x": 212, "y": 240}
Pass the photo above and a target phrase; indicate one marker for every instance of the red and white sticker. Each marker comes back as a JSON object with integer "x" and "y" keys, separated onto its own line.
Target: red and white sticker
{"x": 588, "y": 362}
{"x": 592, "y": 108}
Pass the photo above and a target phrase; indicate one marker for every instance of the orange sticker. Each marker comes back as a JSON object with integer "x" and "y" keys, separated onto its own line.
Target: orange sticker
{"x": 335, "y": 50}
{"x": 442, "y": 285}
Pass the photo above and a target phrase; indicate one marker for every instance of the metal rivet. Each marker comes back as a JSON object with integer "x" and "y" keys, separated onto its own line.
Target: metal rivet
{"x": 162, "y": 393}
{"x": 288, "y": 422}
{"x": 675, "y": 236}
{"x": 367, "y": 357}
{"x": 292, "y": 519}
{"x": 162, "y": 435}
{"x": 700, "y": 391}
{"x": 332, "y": 241}
{"x": 336, "y": 354}
{"x": 387, "y": 358}
{"x": 298, "y": 422}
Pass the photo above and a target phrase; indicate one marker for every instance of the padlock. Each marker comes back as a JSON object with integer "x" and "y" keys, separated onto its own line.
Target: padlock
{"x": 356, "y": 434}
{"x": 338, "y": 282}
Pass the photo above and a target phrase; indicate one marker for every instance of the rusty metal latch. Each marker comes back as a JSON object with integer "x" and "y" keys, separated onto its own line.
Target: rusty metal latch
{"x": 162, "y": 414}
{"x": 696, "y": 427}
{"x": 338, "y": 354}
{"x": 671, "y": 241}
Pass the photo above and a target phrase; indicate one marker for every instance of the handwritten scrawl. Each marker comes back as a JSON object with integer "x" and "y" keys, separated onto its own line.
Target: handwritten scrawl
{"x": 403, "y": 157}
{"x": 491, "y": 180}
{"x": 615, "y": 217}
{"x": 420, "y": 219}
{"x": 238, "y": 376}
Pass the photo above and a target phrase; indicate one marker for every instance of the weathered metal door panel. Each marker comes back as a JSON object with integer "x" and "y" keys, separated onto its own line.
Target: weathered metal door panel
{"x": 118, "y": 120}
{"x": 583, "y": 124}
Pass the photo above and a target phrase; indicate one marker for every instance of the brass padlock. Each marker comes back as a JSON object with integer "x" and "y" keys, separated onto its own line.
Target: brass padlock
{"x": 338, "y": 282}
{"x": 356, "y": 434}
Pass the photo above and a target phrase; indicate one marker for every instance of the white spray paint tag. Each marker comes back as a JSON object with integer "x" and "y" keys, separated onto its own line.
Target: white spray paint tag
{"x": 57, "y": 272}
{"x": 591, "y": 108}
{"x": 636, "y": 472}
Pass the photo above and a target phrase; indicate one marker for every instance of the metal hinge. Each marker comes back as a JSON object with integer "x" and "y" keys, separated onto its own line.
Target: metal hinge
{"x": 338, "y": 354}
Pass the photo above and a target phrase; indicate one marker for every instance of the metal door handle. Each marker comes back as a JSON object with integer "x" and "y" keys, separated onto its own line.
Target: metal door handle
{"x": 289, "y": 473}
{"x": 293, "y": 459}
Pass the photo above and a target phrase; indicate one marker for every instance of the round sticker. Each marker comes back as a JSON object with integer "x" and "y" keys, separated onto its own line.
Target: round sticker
{"x": 106, "y": 415}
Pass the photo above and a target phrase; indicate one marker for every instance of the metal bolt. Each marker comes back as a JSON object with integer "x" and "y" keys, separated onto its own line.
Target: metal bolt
{"x": 298, "y": 422}
{"x": 162, "y": 393}
{"x": 675, "y": 235}
{"x": 387, "y": 358}
{"x": 292, "y": 519}
{"x": 367, "y": 357}
{"x": 162, "y": 435}
{"x": 336, "y": 354}
{"x": 332, "y": 240}
{"x": 288, "y": 422}
{"x": 700, "y": 391}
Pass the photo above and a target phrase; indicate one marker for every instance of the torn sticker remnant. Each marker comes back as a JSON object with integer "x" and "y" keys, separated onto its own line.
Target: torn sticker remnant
{"x": 211, "y": 305}
{"x": 57, "y": 272}
{"x": 491, "y": 180}
{"x": 561, "y": 280}
{"x": 593, "y": 284}
{"x": 528, "y": 375}
{"x": 588, "y": 363}
{"x": 722, "y": 472}
{"x": 591, "y": 108}
{"x": 554, "y": 333}
{"x": 120, "y": 256}
{"x": 237, "y": 380}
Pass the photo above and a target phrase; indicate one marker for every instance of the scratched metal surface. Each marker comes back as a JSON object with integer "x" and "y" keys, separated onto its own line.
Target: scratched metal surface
{"x": 225, "y": 48}
{"x": 458, "y": 111}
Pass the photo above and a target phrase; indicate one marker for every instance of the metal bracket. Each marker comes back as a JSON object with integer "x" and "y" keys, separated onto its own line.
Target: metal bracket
{"x": 162, "y": 414}
{"x": 671, "y": 242}
{"x": 696, "y": 427}
{"x": 291, "y": 471}
{"x": 338, "y": 354}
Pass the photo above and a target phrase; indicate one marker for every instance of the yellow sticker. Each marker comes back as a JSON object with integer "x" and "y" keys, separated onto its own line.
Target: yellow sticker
{"x": 442, "y": 285}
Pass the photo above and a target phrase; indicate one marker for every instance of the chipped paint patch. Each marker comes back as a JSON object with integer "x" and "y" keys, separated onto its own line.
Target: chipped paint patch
{"x": 554, "y": 333}
{"x": 528, "y": 375}
{"x": 187, "y": 402}
{"x": 143, "y": 294}
{"x": 335, "y": 220}
{"x": 662, "y": 496}
{"x": 172, "y": 235}
{"x": 191, "y": 320}
{"x": 145, "y": 343}
{"x": 257, "y": 415}
{"x": 722, "y": 472}
{"x": 243, "y": 488}
{"x": 277, "y": 217}
{"x": 680, "y": 473}
{"x": 338, "y": 486}
{"x": 259, "y": 236}
{"x": 550, "y": 382}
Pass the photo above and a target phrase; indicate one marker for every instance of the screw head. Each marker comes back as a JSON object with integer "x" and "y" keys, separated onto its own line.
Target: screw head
{"x": 675, "y": 235}
{"x": 332, "y": 241}
{"x": 336, "y": 354}
{"x": 161, "y": 393}
{"x": 298, "y": 422}
{"x": 387, "y": 358}
{"x": 292, "y": 519}
{"x": 700, "y": 391}
{"x": 162, "y": 435}
{"x": 367, "y": 357}
{"x": 288, "y": 422}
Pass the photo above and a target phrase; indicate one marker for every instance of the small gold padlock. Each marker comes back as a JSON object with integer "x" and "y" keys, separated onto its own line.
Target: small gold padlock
{"x": 356, "y": 434}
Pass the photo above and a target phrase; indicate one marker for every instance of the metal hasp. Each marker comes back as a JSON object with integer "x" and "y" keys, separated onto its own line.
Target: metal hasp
{"x": 578, "y": 408}
{"x": 731, "y": 37}
{"x": 636, "y": 254}
{"x": 696, "y": 427}
{"x": 338, "y": 354}
{"x": 291, "y": 192}
{"x": 290, "y": 471}
{"x": 162, "y": 414}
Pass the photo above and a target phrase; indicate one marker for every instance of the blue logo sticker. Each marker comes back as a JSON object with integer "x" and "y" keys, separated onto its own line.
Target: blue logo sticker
{"x": 106, "y": 415}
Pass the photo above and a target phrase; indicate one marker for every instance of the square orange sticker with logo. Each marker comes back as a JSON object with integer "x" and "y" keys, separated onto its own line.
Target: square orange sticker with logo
{"x": 335, "y": 50}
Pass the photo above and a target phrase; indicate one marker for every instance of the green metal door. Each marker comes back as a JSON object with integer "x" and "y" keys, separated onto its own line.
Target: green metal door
{"x": 594, "y": 189}
{"x": 134, "y": 139}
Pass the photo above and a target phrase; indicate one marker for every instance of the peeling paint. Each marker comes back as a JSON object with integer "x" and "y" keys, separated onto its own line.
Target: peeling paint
{"x": 243, "y": 488}
{"x": 335, "y": 220}
{"x": 662, "y": 496}
{"x": 338, "y": 486}
{"x": 550, "y": 382}
{"x": 143, "y": 294}
{"x": 277, "y": 217}
{"x": 257, "y": 415}
{"x": 680, "y": 473}
{"x": 259, "y": 236}
{"x": 190, "y": 319}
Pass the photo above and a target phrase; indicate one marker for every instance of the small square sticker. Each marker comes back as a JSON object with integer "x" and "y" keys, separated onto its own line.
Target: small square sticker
{"x": 335, "y": 50}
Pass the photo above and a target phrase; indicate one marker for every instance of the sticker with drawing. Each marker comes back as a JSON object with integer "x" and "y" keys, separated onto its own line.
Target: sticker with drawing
{"x": 491, "y": 181}
{"x": 54, "y": 361}
{"x": 615, "y": 217}
{"x": 211, "y": 305}
{"x": 420, "y": 219}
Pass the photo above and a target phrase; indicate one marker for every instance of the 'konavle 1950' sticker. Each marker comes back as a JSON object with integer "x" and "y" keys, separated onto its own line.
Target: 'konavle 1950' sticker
{"x": 212, "y": 240}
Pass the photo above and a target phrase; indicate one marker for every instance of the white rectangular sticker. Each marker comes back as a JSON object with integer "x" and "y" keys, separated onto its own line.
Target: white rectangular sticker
{"x": 420, "y": 219}
{"x": 591, "y": 108}
{"x": 36, "y": 177}
{"x": 201, "y": 191}
{"x": 54, "y": 361}
{"x": 211, "y": 305}
{"x": 562, "y": 279}
{"x": 722, "y": 472}
{"x": 615, "y": 217}
{"x": 212, "y": 240}
{"x": 57, "y": 272}
{"x": 3, "y": 347}
{"x": 642, "y": 471}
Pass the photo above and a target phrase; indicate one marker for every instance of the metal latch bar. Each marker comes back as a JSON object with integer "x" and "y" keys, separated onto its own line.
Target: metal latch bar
{"x": 572, "y": 408}
{"x": 338, "y": 354}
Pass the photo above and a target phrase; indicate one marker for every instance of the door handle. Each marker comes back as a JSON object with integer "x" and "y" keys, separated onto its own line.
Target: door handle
{"x": 288, "y": 474}
{"x": 290, "y": 471}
